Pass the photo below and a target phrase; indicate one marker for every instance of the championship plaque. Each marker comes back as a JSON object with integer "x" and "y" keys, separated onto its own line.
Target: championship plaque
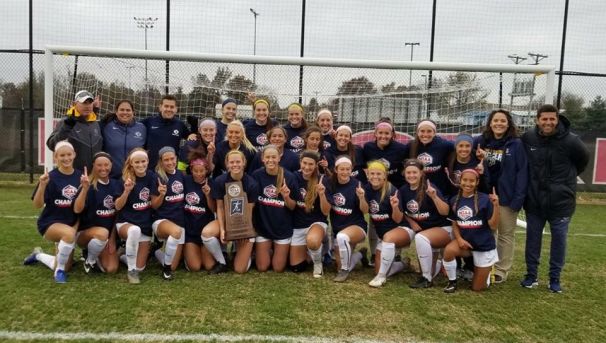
{"x": 238, "y": 219}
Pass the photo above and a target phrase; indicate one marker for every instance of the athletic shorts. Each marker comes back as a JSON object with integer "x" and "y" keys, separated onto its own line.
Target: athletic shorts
{"x": 144, "y": 237}
{"x": 42, "y": 229}
{"x": 299, "y": 236}
{"x": 410, "y": 232}
{"x": 261, "y": 239}
{"x": 360, "y": 228}
{"x": 192, "y": 237}
{"x": 485, "y": 259}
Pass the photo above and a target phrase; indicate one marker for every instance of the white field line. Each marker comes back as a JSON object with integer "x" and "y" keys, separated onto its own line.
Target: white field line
{"x": 150, "y": 337}
{"x": 17, "y": 217}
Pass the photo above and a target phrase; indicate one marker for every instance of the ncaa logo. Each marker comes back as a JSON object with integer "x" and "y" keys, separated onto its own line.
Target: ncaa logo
{"x": 176, "y": 133}
{"x": 177, "y": 187}
{"x": 262, "y": 139}
{"x": 297, "y": 142}
{"x": 412, "y": 206}
{"x": 270, "y": 191}
{"x": 233, "y": 190}
{"x": 425, "y": 158}
{"x": 465, "y": 213}
{"x": 192, "y": 198}
{"x": 144, "y": 194}
{"x": 339, "y": 199}
{"x": 373, "y": 206}
{"x": 327, "y": 145}
{"x": 69, "y": 192}
{"x": 303, "y": 192}
{"x": 108, "y": 202}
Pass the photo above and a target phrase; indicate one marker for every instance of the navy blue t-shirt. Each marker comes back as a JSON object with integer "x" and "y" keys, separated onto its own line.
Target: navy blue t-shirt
{"x": 163, "y": 132}
{"x": 434, "y": 157}
{"x": 345, "y": 205}
{"x": 173, "y": 202}
{"x": 59, "y": 194}
{"x": 380, "y": 211}
{"x": 425, "y": 214}
{"x": 138, "y": 209}
{"x": 222, "y": 150}
{"x": 251, "y": 187}
{"x": 197, "y": 212}
{"x": 294, "y": 138}
{"x": 473, "y": 162}
{"x": 302, "y": 219}
{"x": 221, "y": 130}
{"x": 289, "y": 161}
{"x": 99, "y": 209}
{"x": 328, "y": 141}
{"x": 392, "y": 155}
{"x": 357, "y": 170}
{"x": 271, "y": 217}
{"x": 257, "y": 134}
{"x": 473, "y": 225}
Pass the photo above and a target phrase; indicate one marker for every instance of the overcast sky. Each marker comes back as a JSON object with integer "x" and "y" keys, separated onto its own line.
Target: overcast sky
{"x": 466, "y": 31}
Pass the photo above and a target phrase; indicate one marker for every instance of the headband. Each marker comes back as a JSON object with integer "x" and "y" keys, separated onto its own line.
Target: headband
{"x": 297, "y": 105}
{"x": 198, "y": 162}
{"x": 384, "y": 125}
{"x": 101, "y": 154}
{"x": 227, "y": 101}
{"x": 346, "y": 128}
{"x": 322, "y": 112}
{"x": 140, "y": 153}
{"x": 166, "y": 149}
{"x": 428, "y": 123}
{"x": 260, "y": 101}
{"x": 470, "y": 170}
{"x": 208, "y": 121}
{"x": 377, "y": 165}
{"x": 343, "y": 159}
{"x": 463, "y": 137}
{"x": 62, "y": 144}
{"x": 414, "y": 163}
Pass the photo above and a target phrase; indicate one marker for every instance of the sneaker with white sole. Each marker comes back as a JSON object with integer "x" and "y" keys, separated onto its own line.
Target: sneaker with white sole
{"x": 529, "y": 281}
{"x": 133, "y": 277}
{"x": 33, "y": 257}
{"x": 378, "y": 281}
{"x": 451, "y": 287}
{"x": 554, "y": 285}
{"x": 167, "y": 272}
{"x": 342, "y": 275}
{"x": 60, "y": 276}
{"x": 318, "y": 270}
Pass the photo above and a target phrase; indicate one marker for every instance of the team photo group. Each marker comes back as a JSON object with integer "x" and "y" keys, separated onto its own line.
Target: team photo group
{"x": 224, "y": 195}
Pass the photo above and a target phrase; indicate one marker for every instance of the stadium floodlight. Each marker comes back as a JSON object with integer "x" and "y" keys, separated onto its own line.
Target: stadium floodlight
{"x": 255, "y": 14}
{"x": 145, "y": 24}
{"x": 412, "y": 50}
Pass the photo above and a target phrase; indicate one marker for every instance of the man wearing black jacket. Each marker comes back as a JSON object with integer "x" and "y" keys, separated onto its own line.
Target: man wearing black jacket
{"x": 555, "y": 157}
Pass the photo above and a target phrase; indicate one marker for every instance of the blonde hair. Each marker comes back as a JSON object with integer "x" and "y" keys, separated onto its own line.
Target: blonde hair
{"x": 160, "y": 169}
{"x": 247, "y": 144}
{"x": 280, "y": 176}
{"x": 235, "y": 152}
{"x": 127, "y": 171}
{"x": 386, "y": 188}
{"x": 93, "y": 176}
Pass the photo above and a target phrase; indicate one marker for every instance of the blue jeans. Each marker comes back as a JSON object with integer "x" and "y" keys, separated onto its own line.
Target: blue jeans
{"x": 534, "y": 237}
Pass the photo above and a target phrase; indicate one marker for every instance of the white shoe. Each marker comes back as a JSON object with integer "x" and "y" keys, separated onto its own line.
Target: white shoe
{"x": 378, "y": 281}
{"x": 318, "y": 270}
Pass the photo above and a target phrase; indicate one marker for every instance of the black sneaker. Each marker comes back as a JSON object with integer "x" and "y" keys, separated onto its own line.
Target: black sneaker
{"x": 218, "y": 268}
{"x": 91, "y": 268}
{"x": 554, "y": 285}
{"x": 451, "y": 287}
{"x": 167, "y": 273}
{"x": 422, "y": 282}
{"x": 364, "y": 261}
{"x": 529, "y": 281}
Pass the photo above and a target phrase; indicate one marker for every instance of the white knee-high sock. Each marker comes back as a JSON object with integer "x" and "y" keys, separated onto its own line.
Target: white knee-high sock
{"x": 344, "y": 250}
{"x": 169, "y": 250}
{"x": 64, "y": 249}
{"x": 214, "y": 247}
{"x": 451, "y": 269}
{"x": 395, "y": 268}
{"x": 132, "y": 246}
{"x": 48, "y": 260}
{"x": 425, "y": 255}
{"x": 355, "y": 258}
{"x": 388, "y": 252}
{"x": 316, "y": 255}
{"x": 95, "y": 247}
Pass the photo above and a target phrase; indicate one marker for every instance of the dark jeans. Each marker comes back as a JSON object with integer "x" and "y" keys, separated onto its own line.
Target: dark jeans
{"x": 534, "y": 237}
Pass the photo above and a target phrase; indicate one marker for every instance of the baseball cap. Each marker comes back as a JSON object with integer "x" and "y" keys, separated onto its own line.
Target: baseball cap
{"x": 83, "y": 95}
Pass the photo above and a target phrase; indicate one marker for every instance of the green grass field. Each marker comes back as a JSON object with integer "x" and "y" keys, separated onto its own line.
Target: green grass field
{"x": 298, "y": 305}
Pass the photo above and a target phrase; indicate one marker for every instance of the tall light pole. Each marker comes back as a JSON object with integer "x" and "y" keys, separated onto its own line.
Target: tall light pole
{"x": 537, "y": 58}
{"x": 412, "y": 49}
{"x": 255, "y": 15}
{"x": 145, "y": 23}
{"x": 517, "y": 60}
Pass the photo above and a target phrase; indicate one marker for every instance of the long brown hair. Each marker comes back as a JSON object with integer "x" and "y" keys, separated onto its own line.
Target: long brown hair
{"x": 475, "y": 197}
{"x": 310, "y": 189}
{"x": 414, "y": 145}
{"x": 413, "y": 162}
{"x": 512, "y": 130}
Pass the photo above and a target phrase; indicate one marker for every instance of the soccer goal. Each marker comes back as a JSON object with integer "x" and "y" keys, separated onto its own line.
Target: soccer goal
{"x": 457, "y": 96}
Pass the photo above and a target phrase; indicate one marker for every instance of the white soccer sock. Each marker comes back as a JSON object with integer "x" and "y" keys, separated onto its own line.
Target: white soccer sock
{"x": 214, "y": 248}
{"x": 451, "y": 269}
{"x": 316, "y": 255}
{"x": 388, "y": 252}
{"x": 344, "y": 250}
{"x": 355, "y": 258}
{"x": 396, "y": 267}
{"x": 425, "y": 255}
{"x": 438, "y": 268}
{"x": 132, "y": 246}
{"x": 95, "y": 247}
{"x": 64, "y": 249}
{"x": 169, "y": 250}
{"x": 47, "y": 260}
